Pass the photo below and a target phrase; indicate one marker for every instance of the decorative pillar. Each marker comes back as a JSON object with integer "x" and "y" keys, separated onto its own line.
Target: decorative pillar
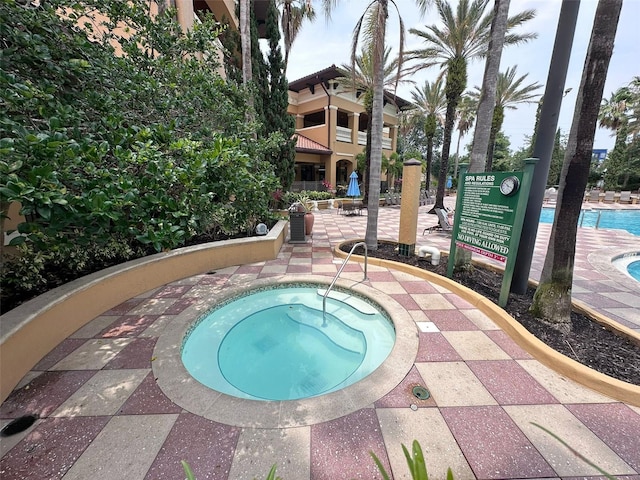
{"x": 331, "y": 120}
{"x": 393, "y": 133}
{"x": 330, "y": 170}
{"x": 411, "y": 173}
{"x": 355, "y": 126}
{"x": 185, "y": 14}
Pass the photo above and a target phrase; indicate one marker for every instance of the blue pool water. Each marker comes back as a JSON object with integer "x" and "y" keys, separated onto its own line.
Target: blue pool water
{"x": 634, "y": 270}
{"x": 275, "y": 344}
{"x": 628, "y": 220}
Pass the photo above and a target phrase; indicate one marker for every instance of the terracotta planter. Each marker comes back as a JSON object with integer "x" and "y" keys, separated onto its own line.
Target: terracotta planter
{"x": 308, "y": 223}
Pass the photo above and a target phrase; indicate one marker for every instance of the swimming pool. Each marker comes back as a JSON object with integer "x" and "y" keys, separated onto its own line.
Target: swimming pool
{"x": 628, "y": 220}
{"x": 634, "y": 270}
{"x": 275, "y": 344}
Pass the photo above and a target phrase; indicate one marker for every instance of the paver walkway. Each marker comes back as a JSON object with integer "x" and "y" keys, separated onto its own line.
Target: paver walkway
{"x": 103, "y": 415}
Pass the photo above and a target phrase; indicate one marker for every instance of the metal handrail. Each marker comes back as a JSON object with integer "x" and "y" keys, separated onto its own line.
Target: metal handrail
{"x": 324, "y": 298}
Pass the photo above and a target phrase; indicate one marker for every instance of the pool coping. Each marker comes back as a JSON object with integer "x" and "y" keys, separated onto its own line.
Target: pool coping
{"x": 603, "y": 261}
{"x": 558, "y": 362}
{"x": 179, "y": 386}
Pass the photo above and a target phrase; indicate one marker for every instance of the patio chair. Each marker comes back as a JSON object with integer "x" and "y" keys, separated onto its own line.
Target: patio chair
{"x": 609, "y": 196}
{"x": 443, "y": 222}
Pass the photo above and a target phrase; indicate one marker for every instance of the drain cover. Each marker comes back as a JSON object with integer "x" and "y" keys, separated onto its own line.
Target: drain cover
{"x": 18, "y": 425}
{"x": 420, "y": 392}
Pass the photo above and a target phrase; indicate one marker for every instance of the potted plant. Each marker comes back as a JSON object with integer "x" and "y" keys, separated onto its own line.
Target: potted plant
{"x": 303, "y": 204}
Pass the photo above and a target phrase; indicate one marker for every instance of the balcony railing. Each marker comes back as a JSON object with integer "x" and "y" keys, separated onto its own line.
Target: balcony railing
{"x": 343, "y": 134}
{"x": 362, "y": 140}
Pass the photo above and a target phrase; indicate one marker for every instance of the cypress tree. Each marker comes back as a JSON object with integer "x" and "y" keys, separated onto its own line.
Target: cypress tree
{"x": 260, "y": 83}
{"x": 276, "y": 118}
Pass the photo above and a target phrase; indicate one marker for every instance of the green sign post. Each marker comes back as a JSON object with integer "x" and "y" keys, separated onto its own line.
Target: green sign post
{"x": 490, "y": 210}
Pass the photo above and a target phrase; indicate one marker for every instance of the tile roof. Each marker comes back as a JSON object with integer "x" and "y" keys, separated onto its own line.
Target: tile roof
{"x": 332, "y": 72}
{"x": 306, "y": 145}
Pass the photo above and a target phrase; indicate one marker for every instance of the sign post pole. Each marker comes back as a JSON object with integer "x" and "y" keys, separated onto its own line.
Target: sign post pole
{"x": 529, "y": 166}
{"x": 452, "y": 249}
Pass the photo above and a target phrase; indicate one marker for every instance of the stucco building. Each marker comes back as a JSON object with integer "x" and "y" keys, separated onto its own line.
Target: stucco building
{"x": 331, "y": 124}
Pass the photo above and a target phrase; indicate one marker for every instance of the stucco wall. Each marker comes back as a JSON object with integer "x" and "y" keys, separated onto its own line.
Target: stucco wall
{"x": 33, "y": 329}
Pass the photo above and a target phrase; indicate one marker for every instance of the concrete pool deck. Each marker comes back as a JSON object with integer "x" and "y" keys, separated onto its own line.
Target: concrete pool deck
{"x": 103, "y": 414}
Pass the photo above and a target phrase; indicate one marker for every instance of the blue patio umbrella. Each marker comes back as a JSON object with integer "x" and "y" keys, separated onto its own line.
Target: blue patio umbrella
{"x": 354, "y": 189}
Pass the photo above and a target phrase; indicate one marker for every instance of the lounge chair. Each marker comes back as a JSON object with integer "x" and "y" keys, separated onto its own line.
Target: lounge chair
{"x": 443, "y": 222}
{"x": 625, "y": 197}
{"x": 594, "y": 196}
{"x": 550, "y": 195}
{"x": 609, "y": 196}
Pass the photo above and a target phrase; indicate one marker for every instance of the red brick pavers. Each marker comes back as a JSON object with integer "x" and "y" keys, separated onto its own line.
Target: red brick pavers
{"x": 103, "y": 415}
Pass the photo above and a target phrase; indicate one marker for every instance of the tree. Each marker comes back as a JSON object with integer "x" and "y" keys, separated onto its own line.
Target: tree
{"x": 502, "y": 157}
{"x": 465, "y": 116}
{"x": 482, "y": 141}
{"x": 276, "y": 118}
{"x": 463, "y": 37}
{"x": 376, "y": 16}
{"x": 259, "y": 90}
{"x": 123, "y": 154}
{"x": 431, "y": 103}
{"x": 510, "y": 92}
{"x": 616, "y": 114}
{"x": 245, "y": 43}
{"x": 552, "y": 300}
{"x": 294, "y": 13}
{"x": 359, "y": 77}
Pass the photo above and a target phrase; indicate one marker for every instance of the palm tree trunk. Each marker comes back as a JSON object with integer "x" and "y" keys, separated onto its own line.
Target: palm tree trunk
{"x": 491, "y": 149}
{"x": 456, "y": 83}
{"x": 455, "y": 167}
{"x": 552, "y": 299}
{"x": 371, "y": 235}
{"x": 481, "y": 141}
{"x": 446, "y": 144}
{"x": 427, "y": 177}
{"x": 245, "y": 44}
{"x": 367, "y": 168}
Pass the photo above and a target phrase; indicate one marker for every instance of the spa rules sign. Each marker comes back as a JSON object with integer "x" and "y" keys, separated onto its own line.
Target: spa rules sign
{"x": 485, "y": 224}
{"x": 490, "y": 209}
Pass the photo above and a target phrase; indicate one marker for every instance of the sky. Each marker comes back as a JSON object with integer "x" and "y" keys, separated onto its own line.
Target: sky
{"x": 325, "y": 42}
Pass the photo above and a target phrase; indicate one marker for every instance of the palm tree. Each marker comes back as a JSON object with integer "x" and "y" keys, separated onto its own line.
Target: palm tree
{"x": 618, "y": 114}
{"x": 614, "y": 113}
{"x": 552, "y": 300}
{"x": 634, "y": 124}
{"x": 245, "y": 45}
{"x": 465, "y": 116}
{"x": 487, "y": 100}
{"x": 359, "y": 77}
{"x": 375, "y": 21}
{"x": 464, "y": 36}
{"x": 431, "y": 102}
{"x": 510, "y": 92}
{"x": 294, "y": 13}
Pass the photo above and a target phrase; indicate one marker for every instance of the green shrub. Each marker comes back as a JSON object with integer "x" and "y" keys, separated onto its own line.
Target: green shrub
{"x": 148, "y": 150}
